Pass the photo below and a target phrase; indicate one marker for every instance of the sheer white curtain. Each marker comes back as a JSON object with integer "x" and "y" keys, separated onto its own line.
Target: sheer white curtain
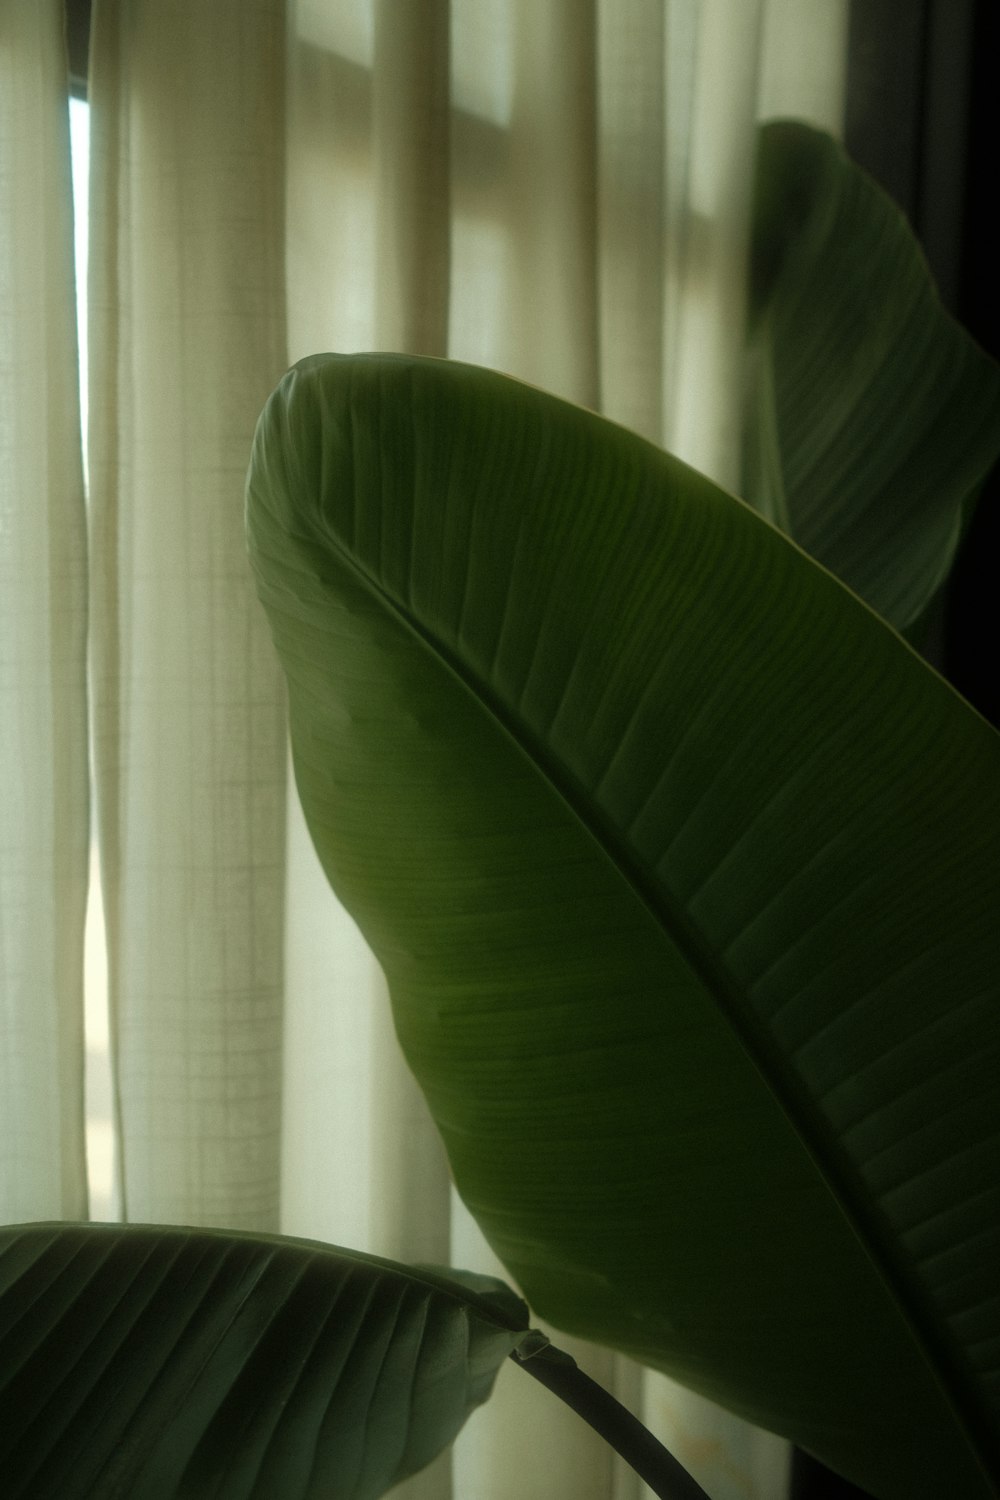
{"x": 43, "y": 613}
{"x": 186, "y": 339}
{"x": 557, "y": 188}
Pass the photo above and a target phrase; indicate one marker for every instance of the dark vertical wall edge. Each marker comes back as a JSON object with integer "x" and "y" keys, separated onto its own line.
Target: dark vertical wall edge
{"x": 971, "y": 606}
{"x": 921, "y": 116}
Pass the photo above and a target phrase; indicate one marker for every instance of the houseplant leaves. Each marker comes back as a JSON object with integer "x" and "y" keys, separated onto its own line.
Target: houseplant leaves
{"x": 158, "y": 1362}
{"x": 682, "y": 868}
{"x": 870, "y": 413}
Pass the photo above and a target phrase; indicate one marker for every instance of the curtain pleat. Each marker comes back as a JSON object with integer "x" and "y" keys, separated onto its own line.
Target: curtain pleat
{"x": 524, "y": 254}
{"x": 339, "y": 1053}
{"x": 634, "y": 235}
{"x": 187, "y": 339}
{"x": 412, "y": 175}
{"x": 368, "y": 246}
{"x": 43, "y": 708}
{"x": 410, "y": 1197}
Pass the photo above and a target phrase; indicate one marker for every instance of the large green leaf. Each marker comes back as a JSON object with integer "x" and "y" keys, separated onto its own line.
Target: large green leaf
{"x": 683, "y": 870}
{"x": 147, "y": 1363}
{"x": 872, "y": 417}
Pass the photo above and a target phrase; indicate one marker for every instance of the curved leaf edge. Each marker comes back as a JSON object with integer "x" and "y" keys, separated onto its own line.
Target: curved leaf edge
{"x": 794, "y": 205}
{"x": 491, "y": 1297}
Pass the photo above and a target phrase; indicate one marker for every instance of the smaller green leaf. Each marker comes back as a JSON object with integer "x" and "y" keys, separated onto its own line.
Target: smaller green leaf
{"x": 872, "y": 418}
{"x": 159, "y": 1362}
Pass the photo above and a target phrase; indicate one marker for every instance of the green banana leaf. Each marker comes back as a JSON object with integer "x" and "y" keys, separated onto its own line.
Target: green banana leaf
{"x": 155, "y": 1362}
{"x": 871, "y": 415}
{"x": 683, "y": 870}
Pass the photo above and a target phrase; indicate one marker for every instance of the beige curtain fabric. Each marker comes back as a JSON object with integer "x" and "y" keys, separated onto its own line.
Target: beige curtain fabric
{"x": 557, "y": 188}
{"x": 43, "y": 709}
{"x": 186, "y": 340}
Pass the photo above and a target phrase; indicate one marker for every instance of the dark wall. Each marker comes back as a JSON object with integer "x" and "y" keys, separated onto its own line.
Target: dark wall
{"x": 922, "y": 117}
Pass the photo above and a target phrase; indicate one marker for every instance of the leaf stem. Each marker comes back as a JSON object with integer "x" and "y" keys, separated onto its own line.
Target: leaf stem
{"x": 654, "y": 1464}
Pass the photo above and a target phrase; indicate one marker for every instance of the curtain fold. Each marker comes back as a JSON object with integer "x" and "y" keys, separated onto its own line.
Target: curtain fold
{"x": 524, "y": 192}
{"x": 187, "y": 338}
{"x": 412, "y": 174}
{"x": 368, "y": 248}
{"x": 702, "y": 423}
{"x": 43, "y": 706}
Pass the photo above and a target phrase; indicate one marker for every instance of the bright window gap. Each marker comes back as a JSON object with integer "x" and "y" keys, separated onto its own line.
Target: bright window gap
{"x": 98, "y": 1094}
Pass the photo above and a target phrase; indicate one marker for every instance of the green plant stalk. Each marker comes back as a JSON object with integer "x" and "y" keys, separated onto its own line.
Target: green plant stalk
{"x": 655, "y": 1465}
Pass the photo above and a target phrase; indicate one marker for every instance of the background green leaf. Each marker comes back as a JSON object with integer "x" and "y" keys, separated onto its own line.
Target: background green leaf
{"x": 148, "y": 1363}
{"x": 872, "y": 417}
{"x": 683, "y": 870}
